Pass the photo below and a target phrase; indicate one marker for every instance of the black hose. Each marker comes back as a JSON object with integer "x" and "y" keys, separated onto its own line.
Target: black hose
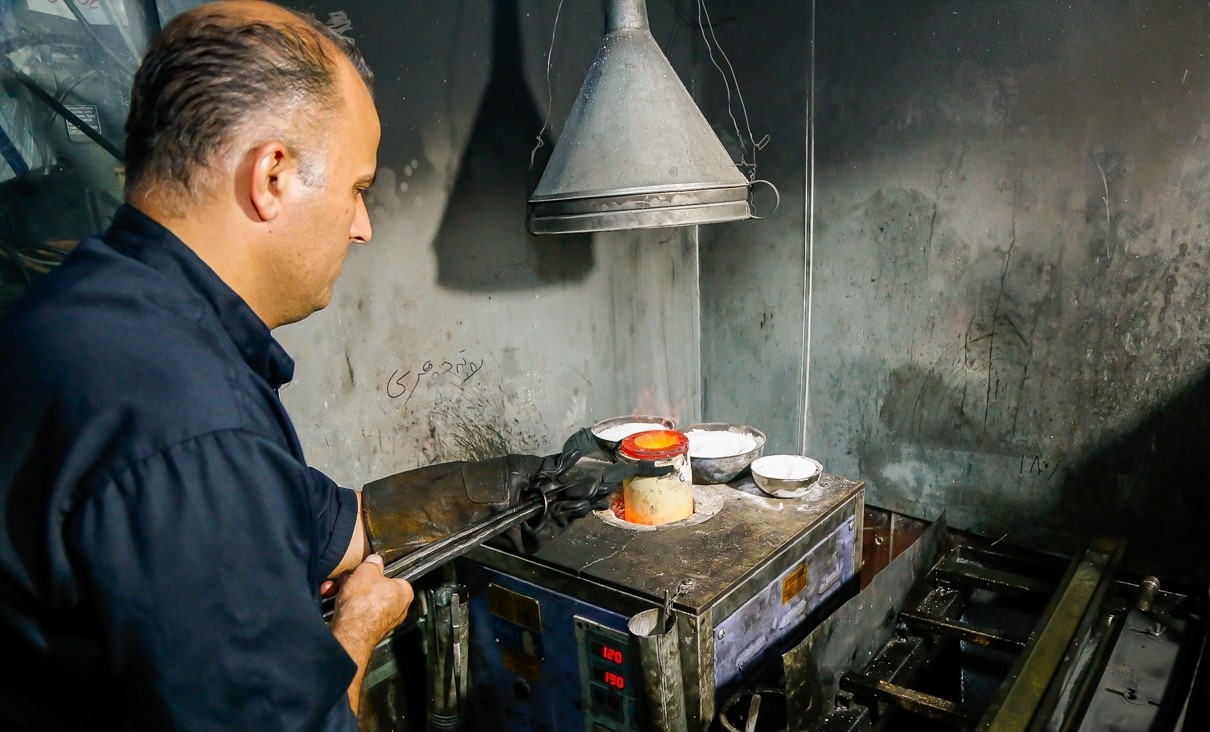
{"x": 68, "y": 115}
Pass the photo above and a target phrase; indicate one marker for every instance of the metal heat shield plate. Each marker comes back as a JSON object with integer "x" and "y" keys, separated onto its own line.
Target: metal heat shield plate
{"x": 774, "y": 613}
{"x": 851, "y": 636}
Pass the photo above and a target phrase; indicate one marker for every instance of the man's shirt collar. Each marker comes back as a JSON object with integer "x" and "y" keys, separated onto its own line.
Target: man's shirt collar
{"x": 140, "y": 237}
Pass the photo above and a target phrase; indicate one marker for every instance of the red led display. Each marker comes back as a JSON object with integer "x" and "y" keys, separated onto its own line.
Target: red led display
{"x": 608, "y": 653}
{"x": 609, "y": 678}
{"x": 614, "y": 680}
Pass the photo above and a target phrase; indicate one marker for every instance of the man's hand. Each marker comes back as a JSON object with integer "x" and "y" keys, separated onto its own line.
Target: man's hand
{"x": 368, "y": 606}
{"x": 370, "y": 600}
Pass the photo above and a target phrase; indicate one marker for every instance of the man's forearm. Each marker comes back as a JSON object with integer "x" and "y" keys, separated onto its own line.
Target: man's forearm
{"x": 368, "y": 606}
{"x": 359, "y": 646}
{"x": 359, "y": 546}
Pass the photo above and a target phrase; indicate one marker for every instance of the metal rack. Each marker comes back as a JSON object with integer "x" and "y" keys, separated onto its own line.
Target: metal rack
{"x": 1046, "y": 638}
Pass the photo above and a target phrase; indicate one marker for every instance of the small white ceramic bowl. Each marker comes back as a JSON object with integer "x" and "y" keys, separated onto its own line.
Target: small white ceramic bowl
{"x": 785, "y": 476}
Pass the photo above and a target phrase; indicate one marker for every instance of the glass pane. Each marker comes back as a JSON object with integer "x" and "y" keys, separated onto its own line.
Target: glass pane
{"x": 65, "y": 76}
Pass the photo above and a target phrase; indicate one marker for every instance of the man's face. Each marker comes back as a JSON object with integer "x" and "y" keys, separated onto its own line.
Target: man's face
{"x": 327, "y": 217}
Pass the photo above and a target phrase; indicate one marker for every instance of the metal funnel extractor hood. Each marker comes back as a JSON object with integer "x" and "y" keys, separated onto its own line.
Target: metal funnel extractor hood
{"x": 636, "y": 153}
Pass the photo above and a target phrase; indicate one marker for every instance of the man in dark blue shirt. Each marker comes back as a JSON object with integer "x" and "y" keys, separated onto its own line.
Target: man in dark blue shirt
{"x": 164, "y": 541}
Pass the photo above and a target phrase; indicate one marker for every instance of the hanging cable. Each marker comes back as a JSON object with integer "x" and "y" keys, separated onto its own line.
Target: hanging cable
{"x": 809, "y": 221}
{"x": 749, "y": 166}
{"x": 549, "y": 93}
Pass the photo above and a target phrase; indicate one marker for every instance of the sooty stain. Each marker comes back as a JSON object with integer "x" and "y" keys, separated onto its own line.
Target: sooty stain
{"x": 350, "y": 378}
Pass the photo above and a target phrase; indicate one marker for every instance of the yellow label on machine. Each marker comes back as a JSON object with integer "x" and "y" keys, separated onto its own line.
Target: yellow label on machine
{"x": 794, "y": 583}
{"x": 520, "y": 664}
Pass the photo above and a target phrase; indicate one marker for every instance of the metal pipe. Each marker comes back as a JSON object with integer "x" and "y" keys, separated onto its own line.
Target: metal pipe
{"x": 447, "y": 635}
{"x": 971, "y": 575}
{"x": 430, "y": 556}
{"x": 753, "y": 713}
{"x": 987, "y": 637}
{"x": 653, "y": 633}
{"x": 627, "y": 15}
{"x": 420, "y": 562}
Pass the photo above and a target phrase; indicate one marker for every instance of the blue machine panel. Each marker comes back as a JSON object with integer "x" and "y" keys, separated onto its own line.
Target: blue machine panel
{"x": 529, "y": 646}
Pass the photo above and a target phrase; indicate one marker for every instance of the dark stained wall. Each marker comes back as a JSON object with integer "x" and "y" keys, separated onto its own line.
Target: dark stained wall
{"x": 754, "y": 273}
{"x": 1012, "y": 266}
{"x": 1010, "y": 269}
{"x": 455, "y": 334}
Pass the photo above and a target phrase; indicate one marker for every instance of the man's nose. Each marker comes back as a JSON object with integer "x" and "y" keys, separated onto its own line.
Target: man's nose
{"x": 361, "y": 231}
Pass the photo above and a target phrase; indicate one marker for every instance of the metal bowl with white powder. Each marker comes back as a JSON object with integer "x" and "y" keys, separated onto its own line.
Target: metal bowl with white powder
{"x": 609, "y": 433}
{"x": 720, "y": 451}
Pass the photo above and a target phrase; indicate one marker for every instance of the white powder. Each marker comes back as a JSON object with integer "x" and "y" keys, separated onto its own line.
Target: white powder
{"x": 619, "y": 432}
{"x": 718, "y": 444}
{"x": 785, "y": 467}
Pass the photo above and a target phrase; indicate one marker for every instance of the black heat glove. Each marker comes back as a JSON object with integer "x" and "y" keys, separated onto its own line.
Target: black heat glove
{"x": 578, "y": 493}
{"x": 410, "y": 509}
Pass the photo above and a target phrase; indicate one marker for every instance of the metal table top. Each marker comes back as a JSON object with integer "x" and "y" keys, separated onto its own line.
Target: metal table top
{"x": 716, "y": 554}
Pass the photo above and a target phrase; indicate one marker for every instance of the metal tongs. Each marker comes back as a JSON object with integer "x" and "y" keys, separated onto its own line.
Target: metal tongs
{"x": 417, "y": 563}
{"x": 420, "y": 562}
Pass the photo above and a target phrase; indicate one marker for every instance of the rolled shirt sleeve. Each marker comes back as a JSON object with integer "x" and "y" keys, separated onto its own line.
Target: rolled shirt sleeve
{"x": 337, "y": 508}
{"x": 203, "y": 563}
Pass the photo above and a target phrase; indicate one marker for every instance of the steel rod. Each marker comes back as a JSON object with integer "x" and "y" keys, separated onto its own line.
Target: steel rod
{"x": 987, "y": 637}
{"x": 917, "y": 702}
{"x": 1034, "y": 565}
{"x": 416, "y": 564}
{"x": 973, "y": 575}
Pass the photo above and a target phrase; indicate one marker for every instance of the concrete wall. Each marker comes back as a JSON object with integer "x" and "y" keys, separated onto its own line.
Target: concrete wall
{"x": 755, "y": 273}
{"x": 455, "y": 334}
{"x": 1011, "y": 266}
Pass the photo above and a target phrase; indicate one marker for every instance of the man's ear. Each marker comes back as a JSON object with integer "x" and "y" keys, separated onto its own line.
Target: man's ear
{"x": 270, "y": 171}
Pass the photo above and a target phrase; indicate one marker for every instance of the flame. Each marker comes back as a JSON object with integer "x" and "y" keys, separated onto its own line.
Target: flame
{"x": 650, "y": 403}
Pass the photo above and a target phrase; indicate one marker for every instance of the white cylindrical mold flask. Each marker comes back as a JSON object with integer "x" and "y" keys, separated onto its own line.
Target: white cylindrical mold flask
{"x": 661, "y": 499}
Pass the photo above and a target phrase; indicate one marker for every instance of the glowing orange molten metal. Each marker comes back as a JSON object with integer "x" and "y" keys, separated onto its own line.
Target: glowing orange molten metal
{"x": 656, "y": 440}
{"x": 656, "y": 500}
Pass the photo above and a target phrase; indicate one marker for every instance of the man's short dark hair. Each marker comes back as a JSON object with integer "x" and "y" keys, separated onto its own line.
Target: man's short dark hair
{"x": 209, "y": 74}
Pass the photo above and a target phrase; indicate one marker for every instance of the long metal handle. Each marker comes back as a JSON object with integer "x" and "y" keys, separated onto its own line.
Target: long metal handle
{"x": 432, "y": 555}
{"x": 416, "y": 564}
